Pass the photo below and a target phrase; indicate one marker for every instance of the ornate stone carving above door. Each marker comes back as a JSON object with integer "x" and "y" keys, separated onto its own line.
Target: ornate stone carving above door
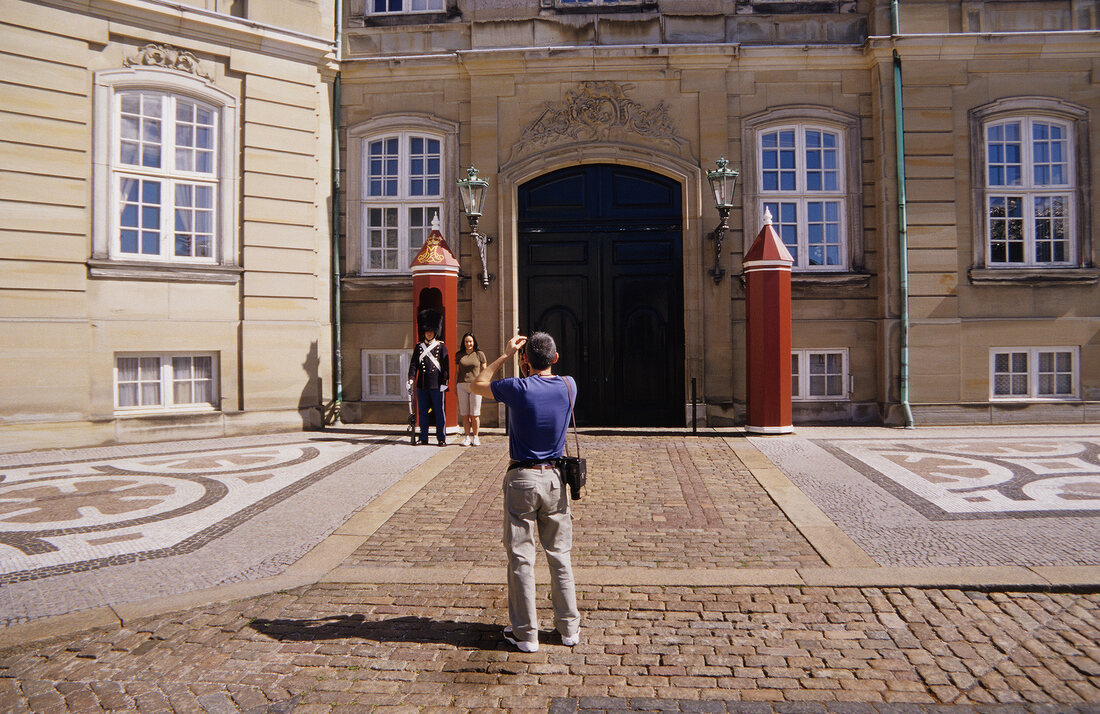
{"x": 599, "y": 112}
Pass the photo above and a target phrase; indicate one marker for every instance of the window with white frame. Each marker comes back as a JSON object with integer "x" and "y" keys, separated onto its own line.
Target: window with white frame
{"x": 387, "y": 7}
{"x": 165, "y": 382}
{"x": 385, "y": 373}
{"x": 401, "y": 190}
{"x": 1033, "y": 373}
{"x": 819, "y": 374}
{"x": 165, "y": 177}
{"x": 165, "y": 170}
{"x": 1030, "y": 188}
{"x": 801, "y": 182}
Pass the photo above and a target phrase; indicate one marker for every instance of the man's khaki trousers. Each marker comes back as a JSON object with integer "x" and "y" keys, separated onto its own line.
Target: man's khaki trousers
{"x": 536, "y": 500}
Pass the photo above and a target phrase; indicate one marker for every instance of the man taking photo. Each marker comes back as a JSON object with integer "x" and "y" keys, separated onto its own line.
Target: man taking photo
{"x": 535, "y": 497}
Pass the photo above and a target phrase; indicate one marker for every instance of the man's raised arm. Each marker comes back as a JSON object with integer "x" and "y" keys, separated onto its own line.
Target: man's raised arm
{"x": 481, "y": 385}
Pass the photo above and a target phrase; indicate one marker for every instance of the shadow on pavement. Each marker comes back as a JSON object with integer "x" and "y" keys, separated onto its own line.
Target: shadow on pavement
{"x": 469, "y": 635}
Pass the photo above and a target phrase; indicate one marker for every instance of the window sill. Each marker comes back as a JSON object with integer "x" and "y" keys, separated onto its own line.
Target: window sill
{"x": 162, "y": 412}
{"x": 1034, "y": 276}
{"x": 377, "y": 281}
{"x": 163, "y": 272}
{"x": 1009, "y": 401}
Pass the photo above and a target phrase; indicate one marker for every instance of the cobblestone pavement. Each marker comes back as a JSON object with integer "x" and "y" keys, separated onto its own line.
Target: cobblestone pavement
{"x": 671, "y": 503}
{"x": 411, "y": 616}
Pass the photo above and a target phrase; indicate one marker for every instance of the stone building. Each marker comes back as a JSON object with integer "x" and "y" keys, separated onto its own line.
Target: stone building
{"x": 595, "y": 122}
{"x": 970, "y": 297}
{"x": 165, "y": 199}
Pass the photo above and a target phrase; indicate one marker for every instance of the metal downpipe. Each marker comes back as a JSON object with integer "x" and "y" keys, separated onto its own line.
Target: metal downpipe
{"x": 334, "y": 223}
{"x": 903, "y": 226}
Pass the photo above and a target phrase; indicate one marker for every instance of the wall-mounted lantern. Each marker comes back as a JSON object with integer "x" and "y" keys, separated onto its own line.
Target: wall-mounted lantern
{"x": 722, "y": 181}
{"x": 472, "y": 192}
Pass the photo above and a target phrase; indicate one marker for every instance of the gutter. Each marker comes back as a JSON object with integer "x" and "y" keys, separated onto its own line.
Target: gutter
{"x": 903, "y": 224}
{"x": 334, "y": 225}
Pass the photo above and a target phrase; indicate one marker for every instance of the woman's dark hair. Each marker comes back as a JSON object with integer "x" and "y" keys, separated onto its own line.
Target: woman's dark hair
{"x": 462, "y": 342}
{"x": 540, "y": 349}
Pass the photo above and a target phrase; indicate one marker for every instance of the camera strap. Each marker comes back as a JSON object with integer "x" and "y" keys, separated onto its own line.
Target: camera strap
{"x": 573, "y": 419}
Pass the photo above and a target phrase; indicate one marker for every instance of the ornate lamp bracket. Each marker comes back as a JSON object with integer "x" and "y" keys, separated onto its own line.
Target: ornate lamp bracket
{"x": 722, "y": 180}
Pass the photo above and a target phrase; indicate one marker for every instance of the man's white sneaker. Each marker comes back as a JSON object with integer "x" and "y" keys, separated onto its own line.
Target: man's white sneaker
{"x": 570, "y": 641}
{"x": 521, "y": 646}
{"x": 466, "y": 441}
{"x": 477, "y": 441}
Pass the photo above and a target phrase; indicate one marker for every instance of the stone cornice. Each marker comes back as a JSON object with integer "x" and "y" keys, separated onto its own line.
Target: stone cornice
{"x": 966, "y": 45}
{"x": 181, "y": 20}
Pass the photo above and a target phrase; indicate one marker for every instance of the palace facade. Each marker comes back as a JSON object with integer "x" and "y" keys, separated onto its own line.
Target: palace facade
{"x": 173, "y": 173}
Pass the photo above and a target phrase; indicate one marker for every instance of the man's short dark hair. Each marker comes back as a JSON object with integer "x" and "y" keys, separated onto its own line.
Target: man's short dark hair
{"x": 540, "y": 349}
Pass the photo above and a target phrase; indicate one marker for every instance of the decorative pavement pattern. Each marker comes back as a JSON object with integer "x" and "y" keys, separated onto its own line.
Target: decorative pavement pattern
{"x": 70, "y": 517}
{"x": 937, "y": 500}
{"x": 967, "y": 478}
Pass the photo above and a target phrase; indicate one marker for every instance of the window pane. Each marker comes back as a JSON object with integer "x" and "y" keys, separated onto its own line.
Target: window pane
{"x": 1003, "y": 154}
{"x": 128, "y": 395}
{"x": 1006, "y": 229}
{"x": 382, "y": 168}
{"x": 423, "y": 156}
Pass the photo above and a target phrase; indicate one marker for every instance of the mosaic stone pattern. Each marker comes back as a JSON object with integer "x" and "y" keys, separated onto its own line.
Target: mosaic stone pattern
{"x": 993, "y": 477}
{"x": 74, "y": 516}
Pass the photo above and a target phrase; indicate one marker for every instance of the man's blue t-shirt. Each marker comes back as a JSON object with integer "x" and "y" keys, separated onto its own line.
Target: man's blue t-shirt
{"x": 538, "y": 415}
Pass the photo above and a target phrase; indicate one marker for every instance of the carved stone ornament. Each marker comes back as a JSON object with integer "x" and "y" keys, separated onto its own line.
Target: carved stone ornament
{"x": 599, "y": 111}
{"x": 169, "y": 57}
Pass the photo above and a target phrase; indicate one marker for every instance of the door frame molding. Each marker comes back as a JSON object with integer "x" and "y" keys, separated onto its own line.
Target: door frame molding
{"x": 689, "y": 175}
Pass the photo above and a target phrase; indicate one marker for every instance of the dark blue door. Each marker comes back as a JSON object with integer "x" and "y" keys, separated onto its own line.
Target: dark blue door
{"x": 600, "y": 268}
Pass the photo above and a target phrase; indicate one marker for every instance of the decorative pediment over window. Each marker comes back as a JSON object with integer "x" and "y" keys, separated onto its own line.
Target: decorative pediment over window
{"x": 167, "y": 56}
{"x": 599, "y": 112}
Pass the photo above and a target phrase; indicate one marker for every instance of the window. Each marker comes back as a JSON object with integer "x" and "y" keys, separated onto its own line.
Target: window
{"x": 1033, "y": 373}
{"x": 819, "y": 374}
{"x": 165, "y": 382}
{"x": 402, "y": 190}
{"x": 165, "y": 177}
{"x": 385, "y": 374}
{"x": 165, "y": 173}
{"x": 381, "y": 7}
{"x": 801, "y": 182}
{"x": 1029, "y": 192}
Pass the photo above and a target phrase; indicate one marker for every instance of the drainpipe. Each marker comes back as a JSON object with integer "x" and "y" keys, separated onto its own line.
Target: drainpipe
{"x": 334, "y": 222}
{"x": 903, "y": 226}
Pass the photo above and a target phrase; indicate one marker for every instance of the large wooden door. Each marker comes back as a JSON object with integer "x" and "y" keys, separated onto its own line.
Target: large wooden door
{"x": 600, "y": 269}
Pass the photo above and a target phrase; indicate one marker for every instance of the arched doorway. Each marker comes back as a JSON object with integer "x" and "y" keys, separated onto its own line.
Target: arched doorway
{"x": 600, "y": 268}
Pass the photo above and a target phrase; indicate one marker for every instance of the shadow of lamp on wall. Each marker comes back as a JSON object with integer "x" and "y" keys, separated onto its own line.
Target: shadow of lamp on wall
{"x": 722, "y": 181}
{"x": 472, "y": 192}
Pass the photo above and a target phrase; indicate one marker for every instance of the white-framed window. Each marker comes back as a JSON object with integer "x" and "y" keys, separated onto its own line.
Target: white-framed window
{"x": 819, "y": 375}
{"x": 1030, "y": 188}
{"x": 1017, "y": 373}
{"x": 402, "y": 189}
{"x": 152, "y": 383}
{"x": 164, "y": 178}
{"x": 385, "y": 373}
{"x": 393, "y": 7}
{"x": 801, "y": 181}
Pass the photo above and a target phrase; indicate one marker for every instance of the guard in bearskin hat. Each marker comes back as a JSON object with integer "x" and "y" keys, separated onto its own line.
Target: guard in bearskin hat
{"x": 429, "y": 370}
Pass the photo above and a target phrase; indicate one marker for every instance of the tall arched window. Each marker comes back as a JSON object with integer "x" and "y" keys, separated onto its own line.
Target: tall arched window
{"x": 165, "y": 169}
{"x": 401, "y": 178}
{"x": 804, "y": 168}
{"x": 1030, "y": 206}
